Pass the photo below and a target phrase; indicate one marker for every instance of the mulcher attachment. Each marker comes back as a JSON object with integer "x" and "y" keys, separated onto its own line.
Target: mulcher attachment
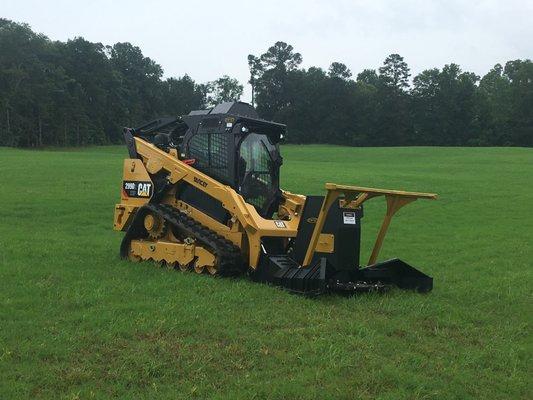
{"x": 308, "y": 271}
{"x": 322, "y": 277}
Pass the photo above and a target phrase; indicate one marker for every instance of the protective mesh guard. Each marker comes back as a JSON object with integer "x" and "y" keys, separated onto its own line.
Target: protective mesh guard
{"x": 211, "y": 154}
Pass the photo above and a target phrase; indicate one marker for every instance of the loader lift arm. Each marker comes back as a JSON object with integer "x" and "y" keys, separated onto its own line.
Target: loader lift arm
{"x": 354, "y": 197}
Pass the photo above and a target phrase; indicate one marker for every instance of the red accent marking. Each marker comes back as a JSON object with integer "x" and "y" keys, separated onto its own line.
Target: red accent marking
{"x": 190, "y": 161}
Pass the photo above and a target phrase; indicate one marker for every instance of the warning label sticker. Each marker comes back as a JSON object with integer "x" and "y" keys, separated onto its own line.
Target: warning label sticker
{"x": 280, "y": 224}
{"x": 349, "y": 218}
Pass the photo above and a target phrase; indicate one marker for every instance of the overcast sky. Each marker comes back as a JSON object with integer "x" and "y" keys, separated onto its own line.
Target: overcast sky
{"x": 207, "y": 39}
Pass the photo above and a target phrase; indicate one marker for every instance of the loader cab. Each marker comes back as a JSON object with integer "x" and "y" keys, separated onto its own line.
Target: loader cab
{"x": 232, "y": 144}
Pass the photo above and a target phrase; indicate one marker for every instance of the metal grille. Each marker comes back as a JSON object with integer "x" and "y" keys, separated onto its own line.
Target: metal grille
{"x": 218, "y": 151}
{"x": 199, "y": 150}
{"x": 211, "y": 153}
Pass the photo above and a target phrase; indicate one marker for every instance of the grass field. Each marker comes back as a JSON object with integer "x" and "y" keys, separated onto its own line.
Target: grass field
{"x": 78, "y": 323}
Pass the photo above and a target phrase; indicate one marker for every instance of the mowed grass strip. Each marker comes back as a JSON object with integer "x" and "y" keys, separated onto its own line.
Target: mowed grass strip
{"x": 77, "y": 322}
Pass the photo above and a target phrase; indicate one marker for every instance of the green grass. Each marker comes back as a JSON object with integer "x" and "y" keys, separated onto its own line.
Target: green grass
{"x": 77, "y": 322}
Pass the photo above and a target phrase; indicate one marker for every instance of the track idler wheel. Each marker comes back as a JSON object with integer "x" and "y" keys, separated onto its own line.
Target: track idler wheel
{"x": 184, "y": 267}
{"x": 211, "y": 269}
{"x": 199, "y": 269}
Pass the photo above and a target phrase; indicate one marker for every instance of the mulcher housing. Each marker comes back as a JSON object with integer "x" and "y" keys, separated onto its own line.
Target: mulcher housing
{"x": 201, "y": 192}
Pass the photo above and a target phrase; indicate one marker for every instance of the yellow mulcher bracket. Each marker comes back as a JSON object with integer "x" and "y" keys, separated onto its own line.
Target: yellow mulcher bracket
{"x": 354, "y": 197}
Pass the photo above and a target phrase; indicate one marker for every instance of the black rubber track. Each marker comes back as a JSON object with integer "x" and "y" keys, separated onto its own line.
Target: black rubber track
{"x": 228, "y": 256}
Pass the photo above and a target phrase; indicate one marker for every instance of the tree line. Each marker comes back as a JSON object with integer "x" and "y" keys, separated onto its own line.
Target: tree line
{"x": 77, "y": 93}
{"x": 445, "y": 106}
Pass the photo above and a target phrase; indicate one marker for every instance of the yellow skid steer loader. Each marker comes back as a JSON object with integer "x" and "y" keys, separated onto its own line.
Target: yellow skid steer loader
{"x": 201, "y": 192}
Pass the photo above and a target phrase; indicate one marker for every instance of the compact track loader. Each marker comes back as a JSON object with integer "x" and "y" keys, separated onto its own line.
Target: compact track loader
{"x": 201, "y": 192}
